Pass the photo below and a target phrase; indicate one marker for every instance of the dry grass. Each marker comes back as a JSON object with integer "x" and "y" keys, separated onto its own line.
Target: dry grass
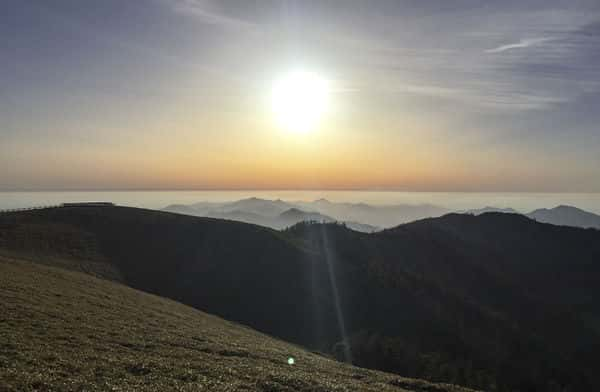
{"x": 67, "y": 331}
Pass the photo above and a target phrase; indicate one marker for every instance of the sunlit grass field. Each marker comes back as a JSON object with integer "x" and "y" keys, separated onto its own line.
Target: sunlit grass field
{"x": 62, "y": 330}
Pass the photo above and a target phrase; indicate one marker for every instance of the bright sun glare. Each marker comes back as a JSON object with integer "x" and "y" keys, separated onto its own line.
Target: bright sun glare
{"x": 299, "y": 99}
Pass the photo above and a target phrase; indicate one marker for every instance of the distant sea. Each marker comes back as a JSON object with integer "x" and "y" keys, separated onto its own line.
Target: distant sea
{"x": 523, "y": 202}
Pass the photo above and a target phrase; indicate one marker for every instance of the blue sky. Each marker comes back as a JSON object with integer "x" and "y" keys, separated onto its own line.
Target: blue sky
{"x": 474, "y": 95}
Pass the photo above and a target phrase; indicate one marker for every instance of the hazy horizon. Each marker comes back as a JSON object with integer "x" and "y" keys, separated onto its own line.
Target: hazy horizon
{"x": 157, "y": 199}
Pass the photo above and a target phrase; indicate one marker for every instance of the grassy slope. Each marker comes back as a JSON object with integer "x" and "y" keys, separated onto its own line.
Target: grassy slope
{"x": 62, "y": 330}
{"x": 496, "y": 301}
{"x": 202, "y": 262}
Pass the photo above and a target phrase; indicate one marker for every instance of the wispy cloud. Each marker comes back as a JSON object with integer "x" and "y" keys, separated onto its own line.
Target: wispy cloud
{"x": 537, "y": 60}
{"x": 524, "y": 43}
{"x": 201, "y": 10}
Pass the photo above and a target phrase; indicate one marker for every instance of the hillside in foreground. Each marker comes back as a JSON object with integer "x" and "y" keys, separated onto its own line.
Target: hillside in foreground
{"x": 64, "y": 331}
{"x": 497, "y": 302}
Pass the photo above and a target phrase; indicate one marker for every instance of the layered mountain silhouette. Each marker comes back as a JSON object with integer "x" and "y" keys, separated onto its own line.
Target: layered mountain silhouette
{"x": 496, "y": 301}
{"x": 280, "y": 214}
{"x": 383, "y": 216}
{"x": 275, "y": 214}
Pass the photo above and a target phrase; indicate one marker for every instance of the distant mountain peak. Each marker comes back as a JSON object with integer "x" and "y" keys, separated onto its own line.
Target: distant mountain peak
{"x": 293, "y": 211}
{"x": 253, "y": 199}
{"x": 488, "y": 209}
{"x": 564, "y": 215}
{"x": 298, "y": 214}
{"x": 566, "y": 207}
{"x": 360, "y": 216}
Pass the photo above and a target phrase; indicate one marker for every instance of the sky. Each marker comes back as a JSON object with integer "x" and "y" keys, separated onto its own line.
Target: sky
{"x": 423, "y": 95}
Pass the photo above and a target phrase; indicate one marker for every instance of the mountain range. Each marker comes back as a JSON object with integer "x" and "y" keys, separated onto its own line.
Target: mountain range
{"x": 495, "y": 301}
{"x": 279, "y": 214}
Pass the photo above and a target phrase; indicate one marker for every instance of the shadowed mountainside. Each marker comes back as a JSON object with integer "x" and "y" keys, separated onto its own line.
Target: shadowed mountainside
{"x": 67, "y": 331}
{"x": 496, "y": 301}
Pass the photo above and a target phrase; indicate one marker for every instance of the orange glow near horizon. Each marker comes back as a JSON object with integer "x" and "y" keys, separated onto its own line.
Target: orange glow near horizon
{"x": 248, "y": 150}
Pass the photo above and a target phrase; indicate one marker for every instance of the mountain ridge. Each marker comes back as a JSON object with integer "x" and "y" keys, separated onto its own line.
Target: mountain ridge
{"x": 458, "y": 292}
{"x": 275, "y": 214}
{"x": 364, "y": 217}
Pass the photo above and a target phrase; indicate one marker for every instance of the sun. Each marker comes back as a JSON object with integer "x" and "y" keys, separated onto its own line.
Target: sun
{"x": 299, "y": 99}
